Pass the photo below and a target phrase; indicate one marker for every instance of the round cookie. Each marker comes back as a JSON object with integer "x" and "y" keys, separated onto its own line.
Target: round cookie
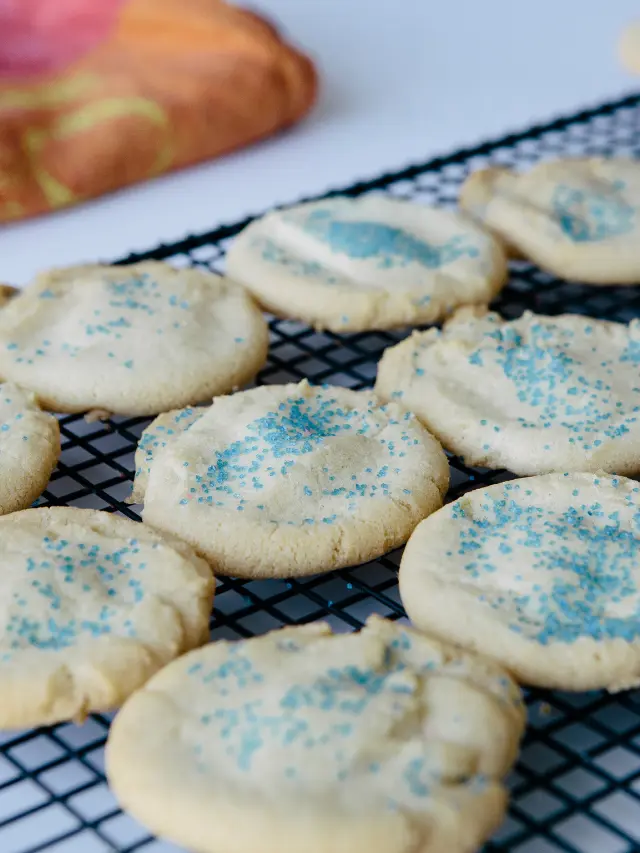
{"x": 288, "y": 480}
{"x": 134, "y": 340}
{"x": 91, "y": 605}
{"x": 577, "y": 218}
{"x": 381, "y": 740}
{"x": 372, "y": 262}
{"x": 629, "y": 47}
{"x": 531, "y": 395}
{"x": 29, "y": 448}
{"x": 541, "y": 574}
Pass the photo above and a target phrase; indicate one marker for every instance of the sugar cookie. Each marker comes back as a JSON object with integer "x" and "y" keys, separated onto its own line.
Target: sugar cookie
{"x": 542, "y": 574}
{"x": 532, "y": 395}
{"x": 382, "y": 740}
{"x": 366, "y": 263}
{"x": 132, "y": 340}
{"x": 576, "y": 218}
{"x": 29, "y": 448}
{"x": 629, "y": 48}
{"x": 91, "y": 605}
{"x": 289, "y": 480}
{"x": 162, "y": 429}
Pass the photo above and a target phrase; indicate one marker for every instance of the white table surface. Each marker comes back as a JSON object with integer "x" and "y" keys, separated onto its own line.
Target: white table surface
{"x": 403, "y": 80}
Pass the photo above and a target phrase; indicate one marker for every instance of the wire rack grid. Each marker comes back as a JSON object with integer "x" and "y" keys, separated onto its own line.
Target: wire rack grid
{"x": 576, "y": 787}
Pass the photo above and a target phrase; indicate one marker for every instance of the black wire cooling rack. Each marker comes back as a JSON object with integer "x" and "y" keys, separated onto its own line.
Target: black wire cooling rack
{"x": 576, "y": 787}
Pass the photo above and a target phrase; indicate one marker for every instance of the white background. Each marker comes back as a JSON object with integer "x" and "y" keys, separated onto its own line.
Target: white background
{"x": 403, "y": 80}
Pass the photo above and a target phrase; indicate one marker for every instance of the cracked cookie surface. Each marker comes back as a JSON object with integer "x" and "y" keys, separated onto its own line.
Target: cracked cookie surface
{"x": 131, "y": 340}
{"x": 380, "y": 740}
{"x": 91, "y": 605}
{"x": 576, "y": 217}
{"x": 29, "y": 448}
{"x": 373, "y": 262}
{"x": 542, "y": 574}
{"x": 287, "y": 480}
{"x": 532, "y": 395}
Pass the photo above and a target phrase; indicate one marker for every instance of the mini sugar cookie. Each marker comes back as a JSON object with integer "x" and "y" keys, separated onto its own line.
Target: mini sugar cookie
{"x": 532, "y": 395}
{"x": 29, "y": 448}
{"x": 629, "y": 47}
{"x": 542, "y": 574}
{"x": 132, "y": 340}
{"x": 367, "y": 263}
{"x": 91, "y": 605}
{"x": 576, "y": 218}
{"x": 288, "y": 480}
{"x": 380, "y": 741}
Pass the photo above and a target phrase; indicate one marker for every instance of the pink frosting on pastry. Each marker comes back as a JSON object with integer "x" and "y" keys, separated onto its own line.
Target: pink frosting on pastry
{"x": 40, "y": 36}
